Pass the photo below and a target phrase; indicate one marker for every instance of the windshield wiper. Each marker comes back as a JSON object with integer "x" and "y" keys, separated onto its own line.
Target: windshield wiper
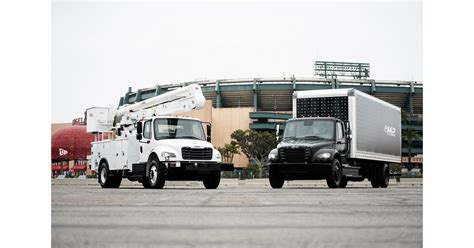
{"x": 166, "y": 137}
{"x": 188, "y": 137}
{"x": 312, "y": 137}
{"x": 287, "y": 138}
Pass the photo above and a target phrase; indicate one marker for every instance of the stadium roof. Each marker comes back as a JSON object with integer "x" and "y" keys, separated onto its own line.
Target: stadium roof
{"x": 275, "y": 94}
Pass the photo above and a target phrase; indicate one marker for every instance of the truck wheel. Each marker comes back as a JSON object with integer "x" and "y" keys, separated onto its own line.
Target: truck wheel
{"x": 374, "y": 176}
{"x": 156, "y": 176}
{"x": 384, "y": 175}
{"x": 116, "y": 181}
{"x": 146, "y": 184}
{"x": 212, "y": 181}
{"x": 334, "y": 175}
{"x": 105, "y": 179}
{"x": 374, "y": 183}
{"x": 343, "y": 182}
{"x": 275, "y": 178}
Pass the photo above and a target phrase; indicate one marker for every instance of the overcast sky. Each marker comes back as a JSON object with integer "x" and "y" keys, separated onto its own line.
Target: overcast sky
{"x": 100, "y": 49}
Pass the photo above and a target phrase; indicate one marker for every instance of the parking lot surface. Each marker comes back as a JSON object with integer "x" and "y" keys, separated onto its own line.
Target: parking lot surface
{"x": 237, "y": 214}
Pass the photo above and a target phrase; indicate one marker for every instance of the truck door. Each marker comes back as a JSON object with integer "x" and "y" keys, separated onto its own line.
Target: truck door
{"x": 341, "y": 145}
{"x": 146, "y": 143}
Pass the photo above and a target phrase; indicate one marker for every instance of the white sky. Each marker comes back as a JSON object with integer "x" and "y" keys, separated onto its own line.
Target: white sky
{"x": 99, "y": 49}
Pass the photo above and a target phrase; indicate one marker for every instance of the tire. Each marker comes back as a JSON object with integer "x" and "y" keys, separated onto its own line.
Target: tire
{"x": 116, "y": 181}
{"x": 374, "y": 181}
{"x": 212, "y": 181}
{"x": 334, "y": 175}
{"x": 343, "y": 183}
{"x": 106, "y": 180}
{"x": 156, "y": 175}
{"x": 384, "y": 175}
{"x": 380, "y": 175}
{"x": 146, "y": 183}
{"x": 275, "y": 178}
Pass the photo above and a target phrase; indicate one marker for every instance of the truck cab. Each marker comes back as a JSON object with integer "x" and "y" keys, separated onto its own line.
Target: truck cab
{"x": 307, "y": 150}
{"x": 173, "y": 138}
{"x": 181, "y": 146}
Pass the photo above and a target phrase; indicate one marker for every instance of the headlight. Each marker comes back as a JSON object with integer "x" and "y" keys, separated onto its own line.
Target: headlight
{"x": 218, "y": 156}
{"x": 273, "y": 154}
{"x": 168, "y": 155}
{"x": 324, "y": 155}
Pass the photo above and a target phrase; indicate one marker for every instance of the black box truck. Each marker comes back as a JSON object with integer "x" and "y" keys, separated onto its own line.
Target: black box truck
{"x": 337, "y": 135}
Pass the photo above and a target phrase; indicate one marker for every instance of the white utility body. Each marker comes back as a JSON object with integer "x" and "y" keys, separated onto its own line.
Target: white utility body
{"x": 146, "y": 143}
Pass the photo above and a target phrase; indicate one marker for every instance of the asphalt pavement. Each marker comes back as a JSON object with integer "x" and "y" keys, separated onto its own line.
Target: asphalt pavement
{"x": 238, "y": 214}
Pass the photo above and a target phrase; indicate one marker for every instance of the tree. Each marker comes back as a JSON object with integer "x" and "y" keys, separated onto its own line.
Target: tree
{"x": 405, "y": 117}
{"x": 255, "y": 145}
{"x": 228, "y": 151}
{"x": 408, "y": 136}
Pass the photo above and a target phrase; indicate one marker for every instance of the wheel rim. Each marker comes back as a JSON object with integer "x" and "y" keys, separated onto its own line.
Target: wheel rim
{"x": 387, "y": 174}
{"x": 337, "y": 171}
{"x": 103, "y": 174}
{"x": 153, "y": 174}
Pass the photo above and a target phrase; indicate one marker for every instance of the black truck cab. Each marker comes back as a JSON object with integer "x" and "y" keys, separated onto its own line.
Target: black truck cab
{"x": 311, "y": 148}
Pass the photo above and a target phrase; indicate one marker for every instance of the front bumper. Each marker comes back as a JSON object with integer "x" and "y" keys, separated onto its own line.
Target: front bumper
{"x": 294, "y": 171}
{"x": 194, "y": 170}
{"x": 199, "y": 166}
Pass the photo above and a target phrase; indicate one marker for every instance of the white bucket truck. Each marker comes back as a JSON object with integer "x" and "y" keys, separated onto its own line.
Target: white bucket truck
{"x": 145, "y": 143}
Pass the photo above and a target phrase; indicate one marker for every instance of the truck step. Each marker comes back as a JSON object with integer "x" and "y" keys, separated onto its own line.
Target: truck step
{"x": 351, "y": 171}
{"x": 344, "y": 166}
{"x": 356, "y": 178}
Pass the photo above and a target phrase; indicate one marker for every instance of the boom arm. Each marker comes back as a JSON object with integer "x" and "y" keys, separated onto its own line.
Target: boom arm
{"x": 180, "y": 100}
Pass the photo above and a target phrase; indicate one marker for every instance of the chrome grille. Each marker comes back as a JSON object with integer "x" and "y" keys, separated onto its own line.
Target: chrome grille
{"x": 288, "y": 154}
{"x": 196, "y": 153}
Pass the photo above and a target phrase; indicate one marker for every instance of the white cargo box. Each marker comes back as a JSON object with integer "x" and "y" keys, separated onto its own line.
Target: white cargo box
{"x": 99, "y": 119}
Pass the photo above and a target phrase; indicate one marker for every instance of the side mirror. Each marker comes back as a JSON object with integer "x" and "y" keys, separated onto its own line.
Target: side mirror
{"x": 278, "y": 132}
{"x": 348, "y": 130}
{"x": 139, "y": 130}
{"x": 139, "y": 127}
{"x": 209, "y": 129}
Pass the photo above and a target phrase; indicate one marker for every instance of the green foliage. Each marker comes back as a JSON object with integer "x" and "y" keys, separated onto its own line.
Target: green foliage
{"x": 239, "y": 173}
{"x": 230, "y": 174}
{"x": 253, "y": 168}
{"x": 404, "y": 117}
{"x": 228, "y": 151}
{"x": 255, "y": 145}
{"x": 409, "y": 135}
{"x": 395, "y": 168}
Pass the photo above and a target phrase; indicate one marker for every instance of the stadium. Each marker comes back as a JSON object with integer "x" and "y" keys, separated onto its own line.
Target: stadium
{"x": 262, "y": 103}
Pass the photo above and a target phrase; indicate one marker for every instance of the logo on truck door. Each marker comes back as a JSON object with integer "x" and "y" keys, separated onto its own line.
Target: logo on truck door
{"x": 390, "y": 131}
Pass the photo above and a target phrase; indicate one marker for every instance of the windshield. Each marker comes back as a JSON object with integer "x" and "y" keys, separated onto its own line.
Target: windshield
{"x": 309, "y": 129}
{"x": 173, "y": 128}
